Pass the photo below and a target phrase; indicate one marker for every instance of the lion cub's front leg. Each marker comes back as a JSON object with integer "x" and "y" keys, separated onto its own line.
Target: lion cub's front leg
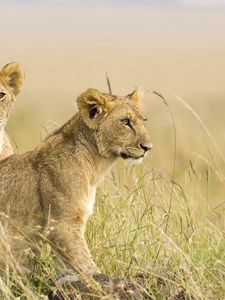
{"x": 68, "y": 237}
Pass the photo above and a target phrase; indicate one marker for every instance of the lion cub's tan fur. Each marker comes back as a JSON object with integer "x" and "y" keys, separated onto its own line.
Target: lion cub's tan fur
{"x": 59, "y": 178}
{"x": 11, "y": 81}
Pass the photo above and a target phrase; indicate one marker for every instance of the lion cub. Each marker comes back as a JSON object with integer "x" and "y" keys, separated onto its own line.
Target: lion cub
{"x": 11, "y": 81}
{"x": 58, "y": 179}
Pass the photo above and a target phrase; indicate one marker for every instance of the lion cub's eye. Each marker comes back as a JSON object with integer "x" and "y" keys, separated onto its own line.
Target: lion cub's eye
{"x": 2, "y": 95}
{"x": 126, "y": 122}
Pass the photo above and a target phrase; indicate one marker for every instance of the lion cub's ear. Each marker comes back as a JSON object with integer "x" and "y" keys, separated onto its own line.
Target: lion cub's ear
{"x": 12, "y": 76}
{"x": 93, "y": 105}
{"x": 136, "y": 96}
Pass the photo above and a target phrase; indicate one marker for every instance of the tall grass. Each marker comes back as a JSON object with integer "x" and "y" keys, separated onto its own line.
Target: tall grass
{"x": 162, "y": 227}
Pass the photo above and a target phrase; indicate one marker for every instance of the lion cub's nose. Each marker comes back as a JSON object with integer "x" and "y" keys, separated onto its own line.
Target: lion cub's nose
{"x": 146, "y": 147}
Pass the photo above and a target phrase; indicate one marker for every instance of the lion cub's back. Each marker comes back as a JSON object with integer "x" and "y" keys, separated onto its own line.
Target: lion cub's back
{"x": 18, "y": 185}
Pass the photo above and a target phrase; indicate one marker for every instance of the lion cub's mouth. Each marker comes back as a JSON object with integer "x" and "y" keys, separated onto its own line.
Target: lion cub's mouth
{"x": 126, "y": 156}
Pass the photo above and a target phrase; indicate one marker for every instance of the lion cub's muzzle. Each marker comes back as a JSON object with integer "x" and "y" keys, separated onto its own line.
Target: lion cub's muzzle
{"x": 136, "y": 153}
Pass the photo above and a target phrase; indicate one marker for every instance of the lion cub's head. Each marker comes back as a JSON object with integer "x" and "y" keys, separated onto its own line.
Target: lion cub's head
{"x": 11, "y": 81}
{"x": 117, "y": 123}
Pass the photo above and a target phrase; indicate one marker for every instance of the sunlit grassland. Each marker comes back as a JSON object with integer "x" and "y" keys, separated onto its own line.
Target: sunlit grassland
{"x": 163, "y": 220}
{"x": 168, "y": 225}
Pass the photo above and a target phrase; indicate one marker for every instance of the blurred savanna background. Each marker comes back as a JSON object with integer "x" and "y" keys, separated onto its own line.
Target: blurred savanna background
{"x": 166, "y": 217}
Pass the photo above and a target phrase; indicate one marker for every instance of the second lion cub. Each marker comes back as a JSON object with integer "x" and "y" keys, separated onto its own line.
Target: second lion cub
{"x": 11, "y": 81}
{"x": 59, "y": 178}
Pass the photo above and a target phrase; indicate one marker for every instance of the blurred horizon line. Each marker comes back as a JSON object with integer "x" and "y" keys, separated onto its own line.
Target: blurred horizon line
{"x": 155, "y": 3}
